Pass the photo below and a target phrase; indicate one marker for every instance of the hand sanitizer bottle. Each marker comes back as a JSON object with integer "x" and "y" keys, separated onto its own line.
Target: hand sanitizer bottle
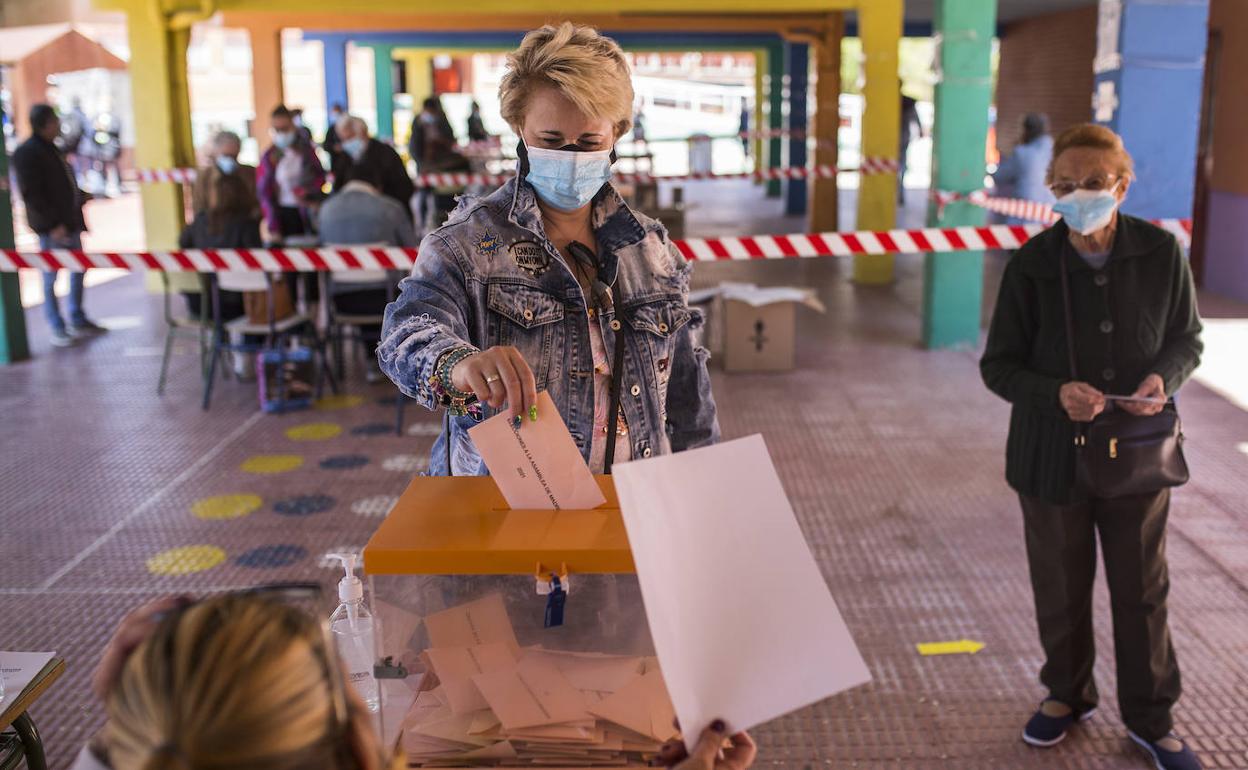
{"x": 352, "y": 625}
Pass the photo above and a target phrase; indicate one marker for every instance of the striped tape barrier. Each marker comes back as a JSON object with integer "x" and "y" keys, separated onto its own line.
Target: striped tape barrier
{"x": 1021, "y": 208}
{"x": 930, "y": 239}
{"x": 459, "y": 179}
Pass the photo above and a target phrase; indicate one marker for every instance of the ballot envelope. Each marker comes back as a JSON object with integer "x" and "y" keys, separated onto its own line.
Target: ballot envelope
{"x": 512, "y": 638}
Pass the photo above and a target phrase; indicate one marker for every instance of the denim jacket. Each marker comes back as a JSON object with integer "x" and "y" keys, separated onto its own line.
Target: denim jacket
{"x": 490, "y": 276}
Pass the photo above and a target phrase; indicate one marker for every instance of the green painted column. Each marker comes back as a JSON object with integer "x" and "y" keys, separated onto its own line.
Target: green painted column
{"x": 775, "y": 112}
{"x": 383, "y": 69}
{"x": 13, "y": 346}
{"x": 953, "y": 281}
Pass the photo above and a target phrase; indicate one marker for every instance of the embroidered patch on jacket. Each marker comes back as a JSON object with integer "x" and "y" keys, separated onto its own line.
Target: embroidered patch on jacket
{"x": 530, "y": 257}
{"x": 488, "y": 244}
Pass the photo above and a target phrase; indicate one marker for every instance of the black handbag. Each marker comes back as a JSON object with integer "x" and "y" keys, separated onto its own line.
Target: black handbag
{"x": 1119, "y": 453}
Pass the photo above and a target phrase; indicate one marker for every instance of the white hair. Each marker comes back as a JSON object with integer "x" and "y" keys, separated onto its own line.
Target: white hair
{"x": 352, "y": 124}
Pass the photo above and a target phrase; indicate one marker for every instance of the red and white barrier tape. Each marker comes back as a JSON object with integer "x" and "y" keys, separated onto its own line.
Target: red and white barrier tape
{"x": 869, "y": 165}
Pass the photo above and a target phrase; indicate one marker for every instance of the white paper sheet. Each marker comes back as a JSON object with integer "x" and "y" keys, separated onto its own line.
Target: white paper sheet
{"x": 743, "y": 622}
{"x": 18, "y": 668}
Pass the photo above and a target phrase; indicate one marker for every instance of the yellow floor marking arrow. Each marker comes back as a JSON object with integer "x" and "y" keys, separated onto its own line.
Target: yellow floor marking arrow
{"x": 962, "y": 646}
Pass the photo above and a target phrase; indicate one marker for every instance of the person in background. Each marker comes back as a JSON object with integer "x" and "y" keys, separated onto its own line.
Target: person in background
{"x": 743, "y": 127}
{"x": 1022, "y": 174}
{"x": 539, "y": 284}
{"x": 223, "y": 159}
{"x": 296, "y": 116}
{"x": 54, "y": 202}
{"x": 639, "y": 127}
{"x": 359, "y": 213}
{"x": 332, "y": 144}
{"x": 476, "y": 126}
{"x": 911, "y": 129}
{"x": 432, "y": 147}
{"x": 1136, "y": 333}
{"x": 289, "y": 179}
{"x": 227, "y": 220}
{"x": 234, "y": 681}
{"x": 74, "y": 129}
{"x": 363, "y": 157}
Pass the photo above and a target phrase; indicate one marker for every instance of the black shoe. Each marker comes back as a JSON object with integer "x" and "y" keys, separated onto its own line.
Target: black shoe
{"x": 1043, "y": 731}
{"x": 86, "y": 328}
{"x": 1183, "y": 759}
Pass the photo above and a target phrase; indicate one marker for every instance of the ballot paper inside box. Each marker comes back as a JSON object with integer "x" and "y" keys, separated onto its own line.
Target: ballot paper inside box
{"x": 463, "y": 591}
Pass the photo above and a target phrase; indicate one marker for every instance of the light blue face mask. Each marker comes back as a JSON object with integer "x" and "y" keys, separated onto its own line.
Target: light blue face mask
{"x": 355, "y": 148}
{"x": 227, "y": 164}
{"x": 1087, "y": 211}
{"x": 567, "y": 179}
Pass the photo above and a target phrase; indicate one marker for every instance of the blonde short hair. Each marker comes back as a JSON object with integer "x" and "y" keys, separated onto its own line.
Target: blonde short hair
{"x": 586, "y": 67}
{"x": 1094, "y": 137}
{"x": 232, "y": 682}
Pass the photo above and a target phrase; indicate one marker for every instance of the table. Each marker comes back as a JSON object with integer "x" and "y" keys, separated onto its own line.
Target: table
{"x": 27, "y": 743}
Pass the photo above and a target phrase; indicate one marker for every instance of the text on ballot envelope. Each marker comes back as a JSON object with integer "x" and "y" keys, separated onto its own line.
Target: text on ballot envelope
{"x": 536, "y": 464}
{"x": 744, "y": 625}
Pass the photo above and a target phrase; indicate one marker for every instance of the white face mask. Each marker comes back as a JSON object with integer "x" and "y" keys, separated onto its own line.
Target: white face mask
{"x": 1087, "y": 211}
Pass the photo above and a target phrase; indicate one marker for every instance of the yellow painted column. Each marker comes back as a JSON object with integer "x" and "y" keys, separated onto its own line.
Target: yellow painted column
{"x": 266, "y": 78}
{"x": 827, "y": 122}
{"x": 162, "y": 130}
{"x": 760, "y": 96}
{"x": 879, "y": 25}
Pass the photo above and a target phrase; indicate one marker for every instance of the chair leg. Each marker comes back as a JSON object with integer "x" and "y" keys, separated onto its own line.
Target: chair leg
{"x": 164, "y": 362}
{"x": 211, "y": 374}
{"x": 400, "y": 401}
{"x": 337, "y": 334}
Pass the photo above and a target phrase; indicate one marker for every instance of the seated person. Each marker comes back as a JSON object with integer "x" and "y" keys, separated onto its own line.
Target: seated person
{"x": 360, "y": 214}
{"x": 223, "y": 159}
{"x": 363, "y": 157}
{"x": 229, "y": 220}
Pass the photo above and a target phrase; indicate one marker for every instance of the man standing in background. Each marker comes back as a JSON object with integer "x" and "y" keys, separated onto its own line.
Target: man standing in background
{"x": 54, "y": 204}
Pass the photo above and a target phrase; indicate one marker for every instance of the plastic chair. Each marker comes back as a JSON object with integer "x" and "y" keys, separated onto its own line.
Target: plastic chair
{"x": 176, "y": 326}
{"x": 276, "y": 332}
{"x": 340, "y": 325}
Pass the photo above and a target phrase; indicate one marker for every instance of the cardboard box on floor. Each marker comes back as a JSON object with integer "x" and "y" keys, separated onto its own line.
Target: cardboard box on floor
{"x": 752, "y": 328}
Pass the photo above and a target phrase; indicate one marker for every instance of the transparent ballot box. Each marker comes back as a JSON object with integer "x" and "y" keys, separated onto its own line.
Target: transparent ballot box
{"x": 512, "y": 638}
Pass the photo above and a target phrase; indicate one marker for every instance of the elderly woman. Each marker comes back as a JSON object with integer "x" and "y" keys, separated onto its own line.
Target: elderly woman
{"x": 553, "y": 283}
{"x": 1137, "y": 334}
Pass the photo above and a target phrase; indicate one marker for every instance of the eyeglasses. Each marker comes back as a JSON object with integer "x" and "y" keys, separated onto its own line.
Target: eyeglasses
{"x": 1093, "y": 183}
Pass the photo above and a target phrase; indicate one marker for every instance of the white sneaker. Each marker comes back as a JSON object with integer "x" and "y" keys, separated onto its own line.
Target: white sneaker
{"x": 61, "y": 338}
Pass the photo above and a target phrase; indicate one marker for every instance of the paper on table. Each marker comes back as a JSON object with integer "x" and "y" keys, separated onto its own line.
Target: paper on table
{"x": 483, "y": 621}
{"x": 643, "y": 707}
{"x": 589, "y": 672}
{"x": 537, "y": 466}
{"x": 713, "y": 523}
{"x": 19, "y": 668}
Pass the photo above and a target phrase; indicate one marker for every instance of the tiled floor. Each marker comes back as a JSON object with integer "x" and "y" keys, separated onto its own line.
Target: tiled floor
{"x": 891, "y": 454}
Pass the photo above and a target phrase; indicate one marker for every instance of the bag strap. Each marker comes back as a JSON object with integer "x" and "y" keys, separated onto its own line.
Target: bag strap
{"x": 617, "y": 382}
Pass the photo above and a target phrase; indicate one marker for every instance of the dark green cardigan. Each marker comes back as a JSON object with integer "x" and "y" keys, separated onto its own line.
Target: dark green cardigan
{"x": 1135, "y": 317}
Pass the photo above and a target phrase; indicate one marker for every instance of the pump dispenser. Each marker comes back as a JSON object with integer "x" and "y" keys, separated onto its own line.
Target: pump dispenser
{"x": 352, "y": 625}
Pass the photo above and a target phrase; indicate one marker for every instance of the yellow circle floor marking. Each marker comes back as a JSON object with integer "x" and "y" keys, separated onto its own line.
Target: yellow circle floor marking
{"x": 331, "y": 403}
{"x": 226, "y": 506}
{"x": 272, "y": 463}
{"x": 314, "y": 431}
{"x": 185, "y": 560}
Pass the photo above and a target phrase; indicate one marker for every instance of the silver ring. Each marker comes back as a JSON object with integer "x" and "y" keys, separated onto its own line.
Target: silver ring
{"x": 493, "y": 378}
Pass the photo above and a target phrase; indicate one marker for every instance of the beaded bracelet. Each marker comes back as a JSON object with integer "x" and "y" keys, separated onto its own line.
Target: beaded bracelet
{"x": 457, "y": 402}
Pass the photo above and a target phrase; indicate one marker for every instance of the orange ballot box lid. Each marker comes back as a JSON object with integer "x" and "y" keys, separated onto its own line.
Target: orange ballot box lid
{"x": 462, "y": 526}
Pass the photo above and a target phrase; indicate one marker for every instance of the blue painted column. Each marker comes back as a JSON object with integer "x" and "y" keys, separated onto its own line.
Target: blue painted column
{"x": 1150, "y": 61}
{"x": 797, "y": 59}
{"x": 335, "y": 48}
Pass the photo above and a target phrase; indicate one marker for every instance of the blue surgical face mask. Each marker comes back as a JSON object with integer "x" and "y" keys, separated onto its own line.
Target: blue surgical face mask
{"x": 567, "y": 179}
{"x": 1087, "y": 211}
{"x": 355, "y": 147}
{"x": 283, "y": 139}
{"x": 227, "y": 164}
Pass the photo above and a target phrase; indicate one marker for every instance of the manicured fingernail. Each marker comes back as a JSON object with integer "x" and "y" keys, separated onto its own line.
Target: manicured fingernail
{"x": 719, "y": 726}
{"x": 533, "y": 413}
{"x": 518, "y": 421}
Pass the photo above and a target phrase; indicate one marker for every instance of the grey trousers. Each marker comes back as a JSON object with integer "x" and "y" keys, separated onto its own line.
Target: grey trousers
{"x": 1061, "y": 554}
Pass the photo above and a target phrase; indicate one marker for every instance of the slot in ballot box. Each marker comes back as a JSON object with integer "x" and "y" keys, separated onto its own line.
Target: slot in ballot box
{"x": 512, "y": 637}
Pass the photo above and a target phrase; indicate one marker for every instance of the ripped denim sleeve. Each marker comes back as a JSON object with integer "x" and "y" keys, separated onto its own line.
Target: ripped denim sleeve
{"x": 428, "y": 319}
{"x": 692, "y": 420}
